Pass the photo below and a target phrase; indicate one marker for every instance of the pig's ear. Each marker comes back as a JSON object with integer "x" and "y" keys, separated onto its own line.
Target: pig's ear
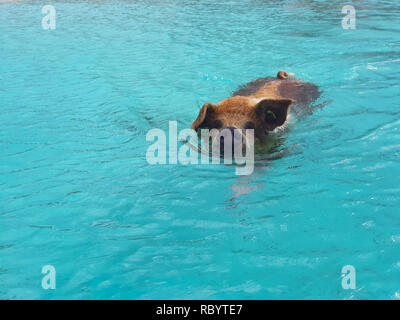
{"x": 206, "y": 110}
{"x": 273, "y": 112}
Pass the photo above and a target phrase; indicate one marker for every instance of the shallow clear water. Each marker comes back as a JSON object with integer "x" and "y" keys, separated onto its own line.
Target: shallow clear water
{"x": 77, "y": 192}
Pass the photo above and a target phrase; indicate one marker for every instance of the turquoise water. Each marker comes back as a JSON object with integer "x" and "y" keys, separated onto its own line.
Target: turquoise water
{"x": 77, "y": 192}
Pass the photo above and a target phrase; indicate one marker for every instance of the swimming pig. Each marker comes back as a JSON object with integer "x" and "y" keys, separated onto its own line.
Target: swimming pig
{"x": 262, "y": 105}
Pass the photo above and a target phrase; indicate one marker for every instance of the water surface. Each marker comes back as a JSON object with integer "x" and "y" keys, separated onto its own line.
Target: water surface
{"x": 77, "y": 192}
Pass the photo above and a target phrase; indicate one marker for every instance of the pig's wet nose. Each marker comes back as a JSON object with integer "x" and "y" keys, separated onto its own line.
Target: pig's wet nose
{"x": 228, "y": 136}
{"x": 232, "y": 137}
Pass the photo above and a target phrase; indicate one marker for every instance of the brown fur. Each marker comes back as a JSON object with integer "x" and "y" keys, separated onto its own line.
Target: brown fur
{"x": 262, "y": 105}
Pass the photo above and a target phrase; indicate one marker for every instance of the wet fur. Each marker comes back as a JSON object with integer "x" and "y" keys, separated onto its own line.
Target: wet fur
{"x": 304, "y": 93}
{"x": 282, "y": 94}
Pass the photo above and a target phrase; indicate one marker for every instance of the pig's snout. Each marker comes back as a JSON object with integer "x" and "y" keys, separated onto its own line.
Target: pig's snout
{"x": 231, "y": 140}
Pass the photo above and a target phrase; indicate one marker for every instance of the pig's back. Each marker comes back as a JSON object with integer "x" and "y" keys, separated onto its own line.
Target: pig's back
{"x": 304, "y": 93}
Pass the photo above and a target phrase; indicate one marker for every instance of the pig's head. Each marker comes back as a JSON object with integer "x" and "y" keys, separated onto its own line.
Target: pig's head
{"x": 260, "y": 114}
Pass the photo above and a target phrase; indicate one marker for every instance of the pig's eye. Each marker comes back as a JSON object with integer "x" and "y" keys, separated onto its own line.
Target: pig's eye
{"x": 217, "y": 124}
{"x": 249, "y": 125}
